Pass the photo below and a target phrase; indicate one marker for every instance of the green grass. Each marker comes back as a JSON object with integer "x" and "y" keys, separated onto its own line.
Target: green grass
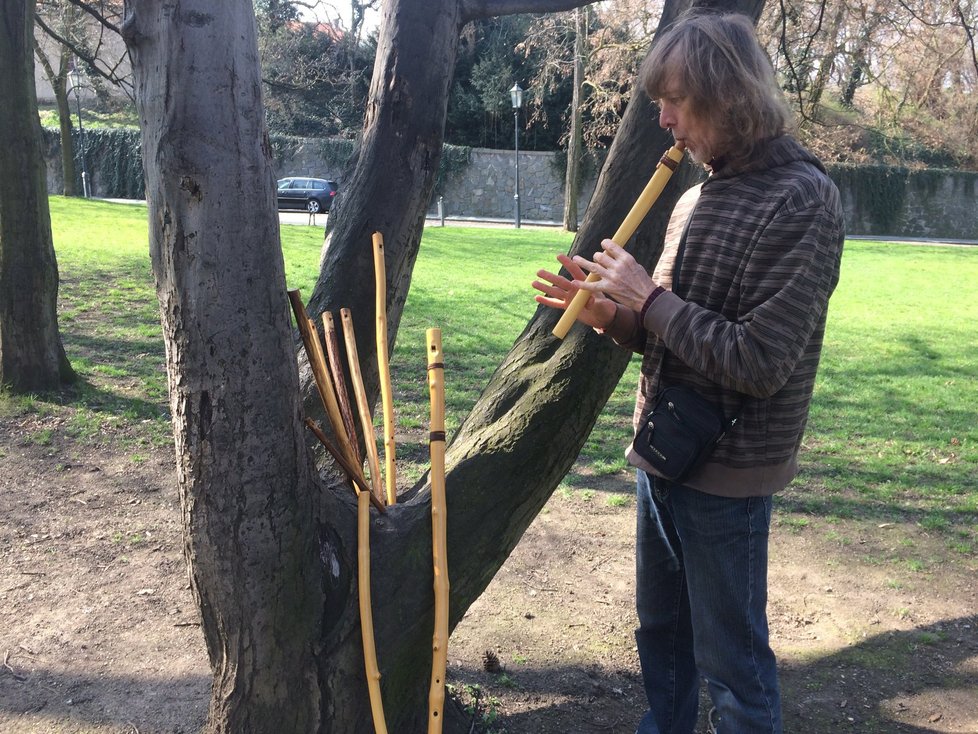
{"x": 91, "y": 118}
{"x": 892, "y": 435}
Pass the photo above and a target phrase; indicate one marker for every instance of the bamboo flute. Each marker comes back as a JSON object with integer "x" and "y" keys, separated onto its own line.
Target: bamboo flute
{"x": 366, "y": 421}
{"x": 360, "y": 485}
{"x": 660, "y": 177}
{"x": 439, "y": 539}
{"x": 366, "y": 615}
{"x": 339, "y": 382}
{"x": 384, "y": 369}
{"x": 314, "y": 352}
{"x": 329, "y": 394}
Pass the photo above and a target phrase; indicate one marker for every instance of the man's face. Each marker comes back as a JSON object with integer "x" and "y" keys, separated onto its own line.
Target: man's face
{"x": 676, "y": 115}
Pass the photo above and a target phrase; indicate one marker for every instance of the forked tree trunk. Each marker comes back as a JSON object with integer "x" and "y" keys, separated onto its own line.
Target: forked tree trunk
{"x": 271, "y": 551}
{"x": 31, "y": 354}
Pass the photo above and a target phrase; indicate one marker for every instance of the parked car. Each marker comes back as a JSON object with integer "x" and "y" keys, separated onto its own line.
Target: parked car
{"x": 312, "y": 194}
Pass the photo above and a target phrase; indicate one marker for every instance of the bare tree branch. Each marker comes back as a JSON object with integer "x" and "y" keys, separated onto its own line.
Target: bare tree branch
{"x": 91, "y": 59}
{"x": 478, "y": 9}
{"x": 969, "y": 31}
{"x": 96, "y": 14}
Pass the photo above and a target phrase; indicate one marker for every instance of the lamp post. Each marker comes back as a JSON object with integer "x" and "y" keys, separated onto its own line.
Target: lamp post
{"x": 516, "y": 96}
{"x": 76, "y": 83}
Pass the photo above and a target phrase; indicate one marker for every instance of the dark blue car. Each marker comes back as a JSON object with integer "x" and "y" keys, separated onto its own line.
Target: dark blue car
{"x": 312, "y": 194}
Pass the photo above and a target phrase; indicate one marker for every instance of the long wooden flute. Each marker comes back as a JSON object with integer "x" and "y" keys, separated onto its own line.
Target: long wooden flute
{"x": 363, "y": 407}
{"x": 439, "y": 542}
{"x": 384, "y": 368}
{"x": 366, "y": 614}
{"x": 660, "y": 177}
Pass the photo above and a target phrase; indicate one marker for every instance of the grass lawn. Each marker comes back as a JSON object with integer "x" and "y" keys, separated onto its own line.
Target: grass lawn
{"x": 892, "y": 433}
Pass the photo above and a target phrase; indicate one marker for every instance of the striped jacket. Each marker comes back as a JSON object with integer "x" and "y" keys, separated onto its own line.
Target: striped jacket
{"x": 762, "y": 257}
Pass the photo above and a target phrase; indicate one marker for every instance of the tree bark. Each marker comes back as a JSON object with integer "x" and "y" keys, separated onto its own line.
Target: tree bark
{"x": 31, "y": 353}
{"x": 247, "y": 491}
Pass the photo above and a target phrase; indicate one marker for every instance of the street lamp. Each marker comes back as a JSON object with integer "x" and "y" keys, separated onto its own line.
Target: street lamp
{"x": 516, "y": 96}
{"x": 76, "y": 83}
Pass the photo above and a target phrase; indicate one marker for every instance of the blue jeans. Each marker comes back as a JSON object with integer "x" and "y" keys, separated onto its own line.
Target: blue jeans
{"x": 701, "y": 594}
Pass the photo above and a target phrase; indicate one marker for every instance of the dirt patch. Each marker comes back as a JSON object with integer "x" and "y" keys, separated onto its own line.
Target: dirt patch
{"x": 874, "y": 621}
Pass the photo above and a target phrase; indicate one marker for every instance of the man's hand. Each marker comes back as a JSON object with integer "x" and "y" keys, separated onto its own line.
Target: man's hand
{"x": 622, "y": 278}
{"x": 558, "y": 292}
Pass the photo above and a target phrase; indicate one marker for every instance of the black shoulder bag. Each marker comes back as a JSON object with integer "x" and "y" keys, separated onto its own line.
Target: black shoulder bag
{"x": 682, "y": 429}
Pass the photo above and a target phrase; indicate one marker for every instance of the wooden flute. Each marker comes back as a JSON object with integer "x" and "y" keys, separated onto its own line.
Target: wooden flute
{"x": 366, "y": 614}
{"x": 384, "y": 368}
{"x": 439, "y": 542}
{"x": 660, "y": 177}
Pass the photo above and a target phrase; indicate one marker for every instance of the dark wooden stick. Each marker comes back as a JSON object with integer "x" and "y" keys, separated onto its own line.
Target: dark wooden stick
{"x": 339, "y": 382}
{"x": 351, "y": 471}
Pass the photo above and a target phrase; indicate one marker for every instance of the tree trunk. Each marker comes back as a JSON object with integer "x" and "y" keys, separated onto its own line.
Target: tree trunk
{"x": 67, "y": 141}
{"x": 31, "y": 354}
{"x": 247, "y": 491}
{"x": 572, "y": 182}
{"x": 825, "y": 66}
{"x": 59, "y": 85}
{"x": 271, "y": 550}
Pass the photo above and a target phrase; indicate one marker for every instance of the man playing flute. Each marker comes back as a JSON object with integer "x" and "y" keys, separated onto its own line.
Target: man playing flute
{"x": 743, "y": 326}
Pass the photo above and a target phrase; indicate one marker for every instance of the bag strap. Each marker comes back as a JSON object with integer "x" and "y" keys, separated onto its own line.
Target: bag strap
{"x": 729, "y": 423}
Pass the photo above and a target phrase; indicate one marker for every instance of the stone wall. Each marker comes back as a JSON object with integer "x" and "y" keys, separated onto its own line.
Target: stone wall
{"x": 879, "y": 201}
{"x": 928, "y": 204}
{"x": 486, "y": 187}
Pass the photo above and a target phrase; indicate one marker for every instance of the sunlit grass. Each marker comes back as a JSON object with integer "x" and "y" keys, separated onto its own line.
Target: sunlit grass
{"x": 892, "y": 434}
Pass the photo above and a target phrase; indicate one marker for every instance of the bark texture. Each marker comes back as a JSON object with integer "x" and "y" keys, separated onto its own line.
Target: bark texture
{"x": 246, "y": 486}
{"x": 31, "y": 354}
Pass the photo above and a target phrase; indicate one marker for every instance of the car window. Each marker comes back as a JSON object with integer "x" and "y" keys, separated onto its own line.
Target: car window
{"x": 319, "y": 185}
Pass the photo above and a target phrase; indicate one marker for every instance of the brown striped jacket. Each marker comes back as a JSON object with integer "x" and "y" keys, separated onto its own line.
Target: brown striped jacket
{"x": 762, "y": 257}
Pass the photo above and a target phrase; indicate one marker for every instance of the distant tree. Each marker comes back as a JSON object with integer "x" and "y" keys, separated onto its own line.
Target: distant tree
{"x": 89, "y": 30}
{"x": 31, "y": 353}
{"x": 575, "y": 147}
{"x": 79, "y": 35}
{"x": 316, "y": 74}
{"x": 56, "y": 69}
{"x": 880, "y": 82}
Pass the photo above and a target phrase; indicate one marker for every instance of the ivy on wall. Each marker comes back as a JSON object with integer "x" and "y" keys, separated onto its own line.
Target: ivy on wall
{"x": 454, "y": 160}
{"x": 881, "y": 191}
{"x": 112, "y": 159}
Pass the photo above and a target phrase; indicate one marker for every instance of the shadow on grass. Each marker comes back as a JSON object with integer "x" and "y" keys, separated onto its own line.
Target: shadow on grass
{"x": 86, "y": 395}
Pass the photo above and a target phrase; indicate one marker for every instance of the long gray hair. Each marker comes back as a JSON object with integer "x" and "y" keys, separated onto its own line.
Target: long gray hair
{"x": 718, "y": 63}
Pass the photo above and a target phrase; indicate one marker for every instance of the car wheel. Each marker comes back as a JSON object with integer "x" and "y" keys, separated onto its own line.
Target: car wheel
{"x": 313, "y": 206}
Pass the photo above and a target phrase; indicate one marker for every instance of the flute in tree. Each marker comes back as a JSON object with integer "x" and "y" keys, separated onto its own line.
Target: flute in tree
{"x": 660, "y": 177}
{"x": 363, "y": 407}
{"x": 383, "y": 368}
{"x": 355, "y": 474}
{"x": 366, "y": 615}
{"x": 320, "y": 373}
{"x": 339, "y": 382}
{"x": 439, "y": 536}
